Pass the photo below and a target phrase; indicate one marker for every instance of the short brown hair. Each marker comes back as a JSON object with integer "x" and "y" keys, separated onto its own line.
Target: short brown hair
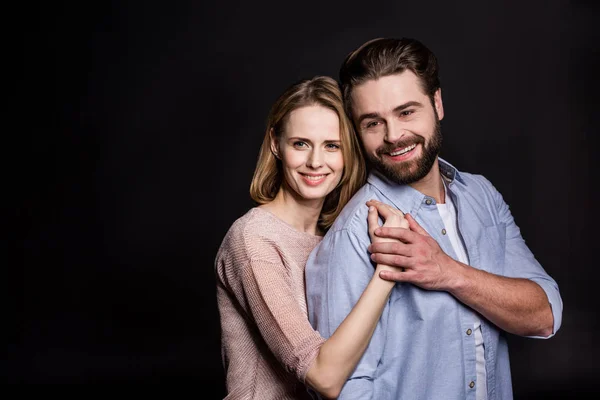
{"x": 268, "y": 175}
{"x": 388, "y": 56}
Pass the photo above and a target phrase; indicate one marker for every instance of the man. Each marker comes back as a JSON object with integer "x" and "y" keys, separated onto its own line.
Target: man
{"x": 468, "y": 279}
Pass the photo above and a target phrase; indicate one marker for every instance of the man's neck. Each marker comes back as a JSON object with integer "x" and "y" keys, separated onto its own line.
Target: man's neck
{"x": 431, "y": 185}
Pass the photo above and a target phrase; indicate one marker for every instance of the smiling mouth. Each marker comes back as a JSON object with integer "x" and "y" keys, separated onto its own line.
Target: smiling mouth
{"x": 403, "y": 150}
{"x": 314, "y": 178}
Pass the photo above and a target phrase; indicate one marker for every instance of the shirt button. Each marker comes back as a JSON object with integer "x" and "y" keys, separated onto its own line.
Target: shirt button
{"x": 472, "y": 384}
{"x": 443, "y": 231}
{"x": 428, "y": 202}
{"x": 469, "y": 332}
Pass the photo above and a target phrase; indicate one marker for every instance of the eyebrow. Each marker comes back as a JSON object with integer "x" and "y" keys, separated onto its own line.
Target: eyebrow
{"x": 310, "y": 141}
{"x": 401, "y": 107}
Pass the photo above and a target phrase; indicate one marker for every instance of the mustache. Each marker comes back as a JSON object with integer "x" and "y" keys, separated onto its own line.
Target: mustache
{"x": 389, "y": 147}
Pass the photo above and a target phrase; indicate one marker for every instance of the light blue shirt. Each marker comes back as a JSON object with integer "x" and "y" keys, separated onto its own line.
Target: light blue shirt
{"x": 423, "y": 346}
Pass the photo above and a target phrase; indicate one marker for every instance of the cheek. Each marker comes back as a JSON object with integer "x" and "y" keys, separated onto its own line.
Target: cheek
{"x": 425, "y": 126}
{"x": 371, "y": 142}
{"x": 336, "y": 162}
{"x": 293, "y": 159}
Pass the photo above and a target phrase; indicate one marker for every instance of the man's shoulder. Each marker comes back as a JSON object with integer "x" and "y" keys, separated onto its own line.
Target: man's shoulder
{"x": 474, "y": 183}
{"x": 353, "y": 217}
{"x": 471, "y": 177}
{"x": 345, "y": 241}
{"x": 462, "y": 178}
{"x": 482, "y": 196}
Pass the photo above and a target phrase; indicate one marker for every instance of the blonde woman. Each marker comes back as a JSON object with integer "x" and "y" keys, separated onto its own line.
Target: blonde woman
{"x": 309, "y": 166}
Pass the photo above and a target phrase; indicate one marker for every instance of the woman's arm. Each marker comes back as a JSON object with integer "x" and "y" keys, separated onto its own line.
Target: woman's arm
{"x": 340, "y": 354}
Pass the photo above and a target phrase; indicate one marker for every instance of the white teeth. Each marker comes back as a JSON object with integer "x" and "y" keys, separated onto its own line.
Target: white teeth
{"x": 314, "y": 178}
{"x": 404, "y": 150}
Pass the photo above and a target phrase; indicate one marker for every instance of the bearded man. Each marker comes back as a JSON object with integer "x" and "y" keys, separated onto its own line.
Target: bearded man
{"x": 468, "y": 277}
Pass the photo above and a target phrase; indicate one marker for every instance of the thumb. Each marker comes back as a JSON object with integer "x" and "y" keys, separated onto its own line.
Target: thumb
{"x": 373, "y": 220}
{"x": 414, "y": 225}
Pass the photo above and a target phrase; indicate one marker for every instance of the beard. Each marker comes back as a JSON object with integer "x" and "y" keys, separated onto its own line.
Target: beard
{"x": 408, "y": 172}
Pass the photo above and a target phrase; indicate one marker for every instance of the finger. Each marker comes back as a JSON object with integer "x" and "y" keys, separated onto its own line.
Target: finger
{"x": 393, "y": 260}
{"x": 378, "y": 203}
{"x": 394, "y": 247}
{"x": 405, "y": 235}
{"x": 386, "y": 211}
{"x": 393, "y": 269}
{"x": 397, "y": 276}
{"x": 396, "y": 221}
{"x": 373, "y": 220}
{"x": 414, "y": 225}
{"x": 372, "y": 202}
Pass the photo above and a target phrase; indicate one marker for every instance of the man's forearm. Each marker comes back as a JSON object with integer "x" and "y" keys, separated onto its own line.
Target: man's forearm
{"x": 516, "y": 305}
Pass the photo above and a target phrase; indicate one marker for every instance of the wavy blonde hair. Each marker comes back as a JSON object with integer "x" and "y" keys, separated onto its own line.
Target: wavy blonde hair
{"x": 268, "y": 175}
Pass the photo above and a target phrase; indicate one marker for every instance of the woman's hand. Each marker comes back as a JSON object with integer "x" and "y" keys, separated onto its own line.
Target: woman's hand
{"x": 392, "y": 217}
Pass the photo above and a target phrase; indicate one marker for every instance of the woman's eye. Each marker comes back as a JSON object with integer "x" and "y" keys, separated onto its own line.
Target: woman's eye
{"x": 333, "y": 146}
{"x": 300, "y": 144}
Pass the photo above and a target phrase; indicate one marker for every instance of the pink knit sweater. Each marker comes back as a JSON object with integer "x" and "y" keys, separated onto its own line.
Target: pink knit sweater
{"x": 267, "y": 341}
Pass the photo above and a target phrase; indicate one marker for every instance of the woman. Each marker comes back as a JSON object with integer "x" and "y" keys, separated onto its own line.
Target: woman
{"x": 309, "y": 166}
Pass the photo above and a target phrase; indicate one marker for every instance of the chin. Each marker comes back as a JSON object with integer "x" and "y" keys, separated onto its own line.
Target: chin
{"x": 313, "y": 196}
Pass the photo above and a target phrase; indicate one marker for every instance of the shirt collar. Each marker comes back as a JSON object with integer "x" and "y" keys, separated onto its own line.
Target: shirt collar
{"x": 449, "y": 171}
{"x": 404, "y": 197}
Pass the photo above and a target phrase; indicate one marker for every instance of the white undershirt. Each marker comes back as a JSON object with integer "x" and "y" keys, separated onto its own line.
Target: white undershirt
{"x": 448, "y": 213}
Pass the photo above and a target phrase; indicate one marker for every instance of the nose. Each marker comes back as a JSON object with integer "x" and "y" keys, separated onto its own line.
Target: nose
{"x": 394, "y": 132}
{"x": 315, "y": 159}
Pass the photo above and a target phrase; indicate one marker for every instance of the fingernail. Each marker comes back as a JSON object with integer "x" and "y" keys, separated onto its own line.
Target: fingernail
{"x": 371, "y": 208}
{"x": 377, "y": 231}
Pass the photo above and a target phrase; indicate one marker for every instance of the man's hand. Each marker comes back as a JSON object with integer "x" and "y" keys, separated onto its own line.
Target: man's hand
{"x": 516, "y": 305}
{"x": 424, "y": 262}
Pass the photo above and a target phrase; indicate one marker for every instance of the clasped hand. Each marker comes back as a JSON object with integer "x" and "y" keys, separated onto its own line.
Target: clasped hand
{"x": 419, "y": 257}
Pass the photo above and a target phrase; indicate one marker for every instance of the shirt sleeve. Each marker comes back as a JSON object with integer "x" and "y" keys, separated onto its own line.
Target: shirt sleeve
{"x": 337, "y": 272}
{"x": 521, "y": 263}
{"x": 282, "y": 322}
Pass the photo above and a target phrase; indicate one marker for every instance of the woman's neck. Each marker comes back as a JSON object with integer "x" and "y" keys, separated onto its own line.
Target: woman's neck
{"x": 300, "y": 213}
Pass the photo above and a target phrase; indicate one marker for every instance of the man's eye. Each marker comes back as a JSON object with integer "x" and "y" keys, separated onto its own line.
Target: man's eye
{"x": 406, "y": 113}
{"x": 372, "y": 124}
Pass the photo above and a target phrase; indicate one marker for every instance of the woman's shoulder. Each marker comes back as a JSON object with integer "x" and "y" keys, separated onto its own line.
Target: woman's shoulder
{"x": 261, "y": 234}
{"x": 249, "y": 232}
{"x": 243, "y": 226}
{"x": 254, "y": 223}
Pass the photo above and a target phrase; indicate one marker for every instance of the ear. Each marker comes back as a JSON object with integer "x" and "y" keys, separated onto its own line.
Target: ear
{"x": 274, "y": 144}
{"x": 439, "y": 105}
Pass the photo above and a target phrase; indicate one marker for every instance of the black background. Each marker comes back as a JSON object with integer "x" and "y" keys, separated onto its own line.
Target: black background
{"x": 139, "y": 124}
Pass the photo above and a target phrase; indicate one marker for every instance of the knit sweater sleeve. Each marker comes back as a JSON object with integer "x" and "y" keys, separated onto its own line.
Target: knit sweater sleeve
{"x": 255, "y": 266}
{"x": 282, "y": 323}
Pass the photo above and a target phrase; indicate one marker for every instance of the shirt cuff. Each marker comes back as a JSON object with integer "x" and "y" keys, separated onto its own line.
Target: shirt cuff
{"x": 556, "y": 305}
